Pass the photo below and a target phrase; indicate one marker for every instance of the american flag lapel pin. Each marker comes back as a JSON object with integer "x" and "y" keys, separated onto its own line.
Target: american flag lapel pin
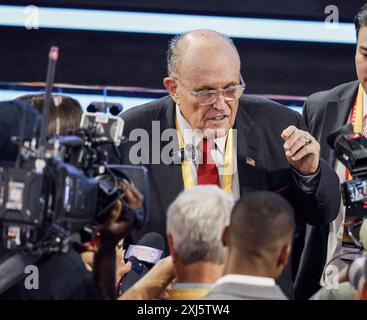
{"x": 250, "y": 161}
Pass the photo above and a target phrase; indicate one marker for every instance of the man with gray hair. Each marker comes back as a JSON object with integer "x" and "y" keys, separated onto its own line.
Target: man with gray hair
{"x": 195, "y": 221}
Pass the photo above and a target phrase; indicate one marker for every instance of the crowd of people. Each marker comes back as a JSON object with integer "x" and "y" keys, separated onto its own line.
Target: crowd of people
{"x": 253, "y": 211}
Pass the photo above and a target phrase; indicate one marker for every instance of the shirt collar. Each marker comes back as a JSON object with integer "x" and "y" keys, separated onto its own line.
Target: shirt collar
{"x": 194, "y": 137}
{"x": 244, "y": 279}
{"x": 364, "y": 103}
{"x": 191, "y": 285}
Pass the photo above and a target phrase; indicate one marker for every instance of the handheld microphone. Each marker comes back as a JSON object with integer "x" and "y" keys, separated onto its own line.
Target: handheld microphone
{"x": 147, "y": 252}
{"x": 188, "y": 153}
{"x": 51, "y": 68}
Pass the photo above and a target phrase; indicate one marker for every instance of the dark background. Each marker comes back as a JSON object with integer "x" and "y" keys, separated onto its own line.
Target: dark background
{"x": 124, "y": 59}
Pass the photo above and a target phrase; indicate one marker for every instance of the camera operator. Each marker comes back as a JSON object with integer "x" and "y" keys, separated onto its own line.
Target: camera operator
{"x": 65, "y": 114}
{"x": 61, "y": 274}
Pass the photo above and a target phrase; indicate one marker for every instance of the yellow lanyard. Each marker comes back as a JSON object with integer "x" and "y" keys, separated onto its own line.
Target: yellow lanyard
{"x": 356, "y": 118}
{"x": 358, "y": 111}
{"x": 227, "y": 177}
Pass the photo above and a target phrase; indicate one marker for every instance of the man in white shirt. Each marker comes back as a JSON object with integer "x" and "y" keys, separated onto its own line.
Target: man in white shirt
{"x": 194, "y": 230}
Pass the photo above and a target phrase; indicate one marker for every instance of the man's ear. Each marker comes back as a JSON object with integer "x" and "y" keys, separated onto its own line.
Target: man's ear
{"x": 171, "y": 86}
{"x": 171, "y": 247}
{"x": 225, "y": 236}
{"x": 283, "y": 257}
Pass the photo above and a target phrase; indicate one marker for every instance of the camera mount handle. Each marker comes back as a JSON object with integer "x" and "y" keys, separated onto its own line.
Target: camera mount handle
{"x": 52, "y": 59}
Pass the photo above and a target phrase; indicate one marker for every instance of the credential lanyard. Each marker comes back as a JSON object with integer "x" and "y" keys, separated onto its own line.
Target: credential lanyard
{"x": 227, "y": 176}
{"x": 356, "y": 118}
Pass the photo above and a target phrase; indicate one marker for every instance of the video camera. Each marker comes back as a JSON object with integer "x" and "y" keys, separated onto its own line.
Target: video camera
{"x": 65, "y": 184}
{"x": 351, "y": 149}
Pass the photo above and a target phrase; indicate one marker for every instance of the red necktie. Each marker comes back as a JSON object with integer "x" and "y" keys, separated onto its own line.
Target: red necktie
{"x": 207, "y": 171}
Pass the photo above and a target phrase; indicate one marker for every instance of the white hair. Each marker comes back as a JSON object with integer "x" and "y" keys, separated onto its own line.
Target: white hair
{"x": 196, "y": 220}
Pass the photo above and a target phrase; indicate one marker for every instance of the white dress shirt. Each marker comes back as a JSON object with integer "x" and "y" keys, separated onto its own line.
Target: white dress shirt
{"x": 194, "y": 138}
{"x": 244, "y": 279}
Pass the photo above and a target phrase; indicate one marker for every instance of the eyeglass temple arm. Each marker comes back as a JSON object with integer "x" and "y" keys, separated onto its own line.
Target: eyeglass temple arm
{"x": 242, "y": 81}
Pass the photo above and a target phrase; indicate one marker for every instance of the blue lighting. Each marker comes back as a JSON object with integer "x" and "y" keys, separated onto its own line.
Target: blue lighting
{"x": 84, "y": 99}
{"x": 157, "y": 23}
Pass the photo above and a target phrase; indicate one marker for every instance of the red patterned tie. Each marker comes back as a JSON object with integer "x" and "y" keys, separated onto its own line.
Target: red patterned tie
{"x": 207, "y": 171}
{"x": 364, "y": 125}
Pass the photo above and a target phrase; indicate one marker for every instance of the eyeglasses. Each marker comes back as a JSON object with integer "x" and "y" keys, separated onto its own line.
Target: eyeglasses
{"x": 207, "y": 97}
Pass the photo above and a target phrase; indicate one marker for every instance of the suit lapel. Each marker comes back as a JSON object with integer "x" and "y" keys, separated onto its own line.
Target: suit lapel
{"x": 167, "y": 177}
{"x": 248, "y": 159}
{"x": 335, "y": 116}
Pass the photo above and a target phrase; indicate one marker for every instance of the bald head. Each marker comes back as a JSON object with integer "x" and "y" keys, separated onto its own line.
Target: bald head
{"x": 199, "y": 45}
{"x": 203, "y": 60}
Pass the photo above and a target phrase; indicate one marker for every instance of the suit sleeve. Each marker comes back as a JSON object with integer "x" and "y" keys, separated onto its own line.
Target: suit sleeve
{"x": 322, "y": 206}
{"x": 305, "y": 114}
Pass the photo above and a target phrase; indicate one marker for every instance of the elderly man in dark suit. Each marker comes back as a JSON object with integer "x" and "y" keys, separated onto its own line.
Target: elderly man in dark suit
{"x": 325, "y": 112}
{"x": 207, "y": 132}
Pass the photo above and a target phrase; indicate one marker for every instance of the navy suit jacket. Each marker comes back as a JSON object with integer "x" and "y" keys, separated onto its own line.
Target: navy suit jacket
{"x": 324, "y": 112}
{"x": 259, "y": 123}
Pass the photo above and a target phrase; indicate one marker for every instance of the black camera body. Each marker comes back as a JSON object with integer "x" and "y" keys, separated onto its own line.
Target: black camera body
{"x": 354, "y": 193}
{"x": 351, "y": 149}
{"x": 62, "y": 185}
{"x": 31, "y": 200}
{"x": 71, "y": 188}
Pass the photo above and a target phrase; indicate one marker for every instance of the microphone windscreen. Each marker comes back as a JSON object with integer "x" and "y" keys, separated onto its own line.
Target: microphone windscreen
{"x": 152, "y": 240}
{"x": 363, "y": 234}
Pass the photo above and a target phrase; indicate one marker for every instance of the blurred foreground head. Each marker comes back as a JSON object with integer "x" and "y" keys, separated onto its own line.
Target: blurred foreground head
{"x": 260, "y": 235}
{"x": 195, "y": 221}
{"x": 16, "y": 119}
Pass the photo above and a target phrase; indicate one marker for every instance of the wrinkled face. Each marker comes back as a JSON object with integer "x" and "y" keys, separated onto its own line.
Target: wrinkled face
{"x": 361, "y": 57}
{"x": 210, "y": 69}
